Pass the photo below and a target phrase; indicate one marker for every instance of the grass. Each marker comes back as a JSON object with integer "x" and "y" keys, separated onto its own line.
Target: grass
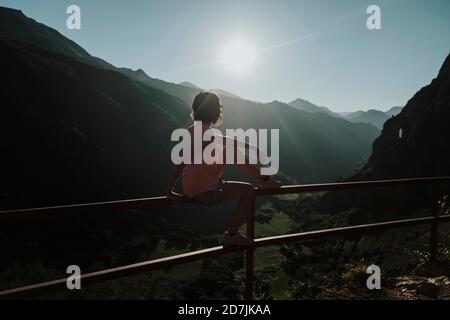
{"x": 268, "y": 259}
{"x": 277, "y": 226}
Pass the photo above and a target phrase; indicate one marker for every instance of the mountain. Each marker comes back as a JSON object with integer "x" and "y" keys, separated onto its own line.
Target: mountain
{"x": 190, "y": 85}
{"x": 393, "y": 111}
{"x": 85, "y": 130}
{"x": 307, "y": 106}
{"x": 183, "y": 92}
{"x": 222, "y": 92}
{"x": 414, "y": 143}
{"x": 219, "y": 92}
{"x": 423, "y": 146}
{"x": 15, "y": 25}
{"x": 72, "y": 132}
{"x": 374, "y": 117}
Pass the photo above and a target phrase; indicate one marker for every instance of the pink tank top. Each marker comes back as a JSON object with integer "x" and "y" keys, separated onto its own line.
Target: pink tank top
{"x": 199, "y": 178}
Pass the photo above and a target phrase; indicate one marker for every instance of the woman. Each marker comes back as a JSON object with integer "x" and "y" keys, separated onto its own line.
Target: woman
{"x": 203, "y": 182}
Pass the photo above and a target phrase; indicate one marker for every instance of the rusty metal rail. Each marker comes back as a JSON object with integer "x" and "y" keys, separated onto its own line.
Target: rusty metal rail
{"x": 115, "y": 273}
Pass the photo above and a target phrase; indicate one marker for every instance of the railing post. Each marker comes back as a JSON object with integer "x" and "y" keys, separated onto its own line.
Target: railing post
{"x": 434, "y": 224}
{"x": 248, "y": 294}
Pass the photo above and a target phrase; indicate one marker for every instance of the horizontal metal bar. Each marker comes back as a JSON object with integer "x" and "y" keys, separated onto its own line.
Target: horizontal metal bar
{"x": 114, "y": 273}
{"x": 308, "y": 235}
{"x": 97, "y": 207}
{"x": 351, "y": 185}
{"x": 120, "y": 205}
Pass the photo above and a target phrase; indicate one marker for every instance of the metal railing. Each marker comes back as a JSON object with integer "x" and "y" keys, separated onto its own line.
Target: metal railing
{"x": 127, "y": 270}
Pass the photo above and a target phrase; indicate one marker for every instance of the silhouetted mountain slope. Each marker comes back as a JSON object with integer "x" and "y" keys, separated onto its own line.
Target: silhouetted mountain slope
{"x": 422, "y": 148}
{"x": 185, "y": 93}
{"x": 15, "y": 25}
{"x": 415, "y": 143}
{"x": 72, "y": 132}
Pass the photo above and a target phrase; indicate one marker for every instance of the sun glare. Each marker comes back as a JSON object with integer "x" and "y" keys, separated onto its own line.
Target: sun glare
{"x": 238, "y": 56}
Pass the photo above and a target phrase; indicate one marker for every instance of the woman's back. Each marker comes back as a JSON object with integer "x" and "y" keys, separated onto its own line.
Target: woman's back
{"x": 198, "y": 178}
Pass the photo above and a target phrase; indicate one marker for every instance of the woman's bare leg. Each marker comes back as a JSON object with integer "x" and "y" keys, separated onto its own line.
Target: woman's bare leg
{"x": 239, "y": 190}
{"x": 246, "y": 195}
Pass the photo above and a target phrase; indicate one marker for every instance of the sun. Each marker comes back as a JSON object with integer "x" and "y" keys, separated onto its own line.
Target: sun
{"x": 238, "y": 56}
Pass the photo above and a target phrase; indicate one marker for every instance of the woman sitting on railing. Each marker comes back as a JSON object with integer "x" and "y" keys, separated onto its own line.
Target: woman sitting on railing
{"x": 203, "y": 182}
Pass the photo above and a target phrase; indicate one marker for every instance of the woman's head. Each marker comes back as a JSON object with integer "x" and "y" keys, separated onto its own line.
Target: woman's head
{"x": 207, "y": 108}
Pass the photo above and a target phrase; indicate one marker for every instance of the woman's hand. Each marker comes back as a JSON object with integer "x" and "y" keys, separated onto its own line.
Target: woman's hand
{"x": 174, "y": 197}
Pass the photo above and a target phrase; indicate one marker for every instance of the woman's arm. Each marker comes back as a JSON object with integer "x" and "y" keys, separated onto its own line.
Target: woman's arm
{"x": 261, "y": 156}
{"x": 262, "y": 180}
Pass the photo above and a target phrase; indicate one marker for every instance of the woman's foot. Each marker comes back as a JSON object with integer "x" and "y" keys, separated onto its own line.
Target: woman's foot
{"x": 236, "y": 239}
{"x": 266, "y": 182}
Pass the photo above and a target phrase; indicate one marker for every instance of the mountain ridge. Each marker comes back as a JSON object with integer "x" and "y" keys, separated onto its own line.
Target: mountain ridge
{"x": 375, "y": 117}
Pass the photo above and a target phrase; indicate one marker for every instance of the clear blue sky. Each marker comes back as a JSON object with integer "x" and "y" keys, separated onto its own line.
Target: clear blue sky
{"x": 339, "y": 64}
